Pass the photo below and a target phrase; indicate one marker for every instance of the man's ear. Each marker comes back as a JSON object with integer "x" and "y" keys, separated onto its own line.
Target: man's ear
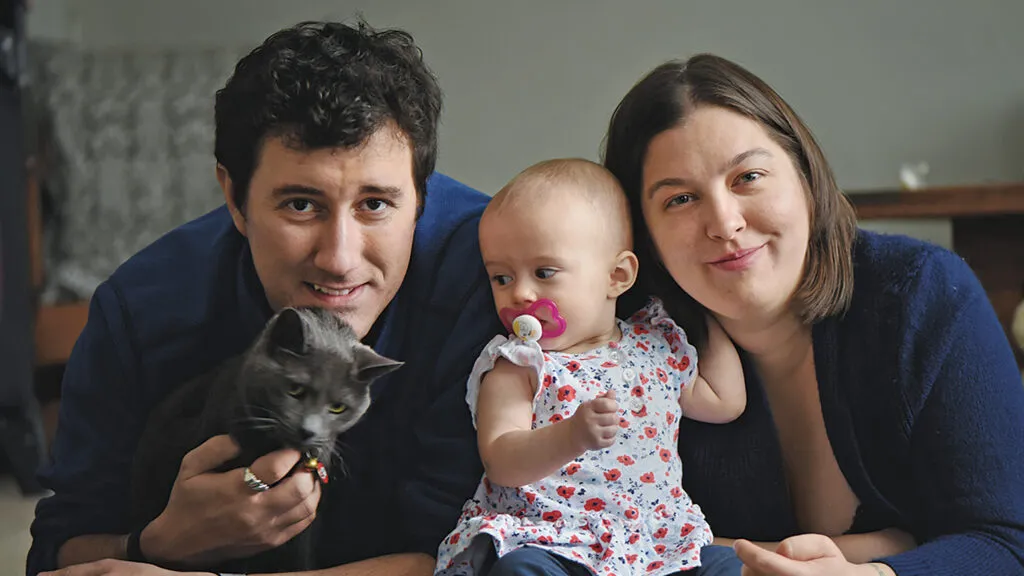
{"x": 226, "y": 185}
{"x": 624, "y": 273}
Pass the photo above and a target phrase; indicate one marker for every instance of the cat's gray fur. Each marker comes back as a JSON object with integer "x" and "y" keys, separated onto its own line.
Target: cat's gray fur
{"x": 275, "y": 395}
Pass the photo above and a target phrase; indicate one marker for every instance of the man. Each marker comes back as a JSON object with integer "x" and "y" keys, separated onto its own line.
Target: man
{"x": 325, "y": 144}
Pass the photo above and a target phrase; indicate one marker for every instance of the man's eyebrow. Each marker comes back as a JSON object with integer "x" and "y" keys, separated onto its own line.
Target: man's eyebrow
{"x": 381, "y": 189}
{"x": 296, "y": 190}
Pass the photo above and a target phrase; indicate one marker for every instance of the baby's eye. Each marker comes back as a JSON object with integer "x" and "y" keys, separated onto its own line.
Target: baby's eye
{"x": 337, "y": 408}
{"x": 501, "y": 279}
{"x": 544, "y": 273}
{"x": 297, "y": 391}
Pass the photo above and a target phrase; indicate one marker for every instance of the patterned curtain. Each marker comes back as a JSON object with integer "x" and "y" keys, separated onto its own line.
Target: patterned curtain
{"x": 128, "y": 147}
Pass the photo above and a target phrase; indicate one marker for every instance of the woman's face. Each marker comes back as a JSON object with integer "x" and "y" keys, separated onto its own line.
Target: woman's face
{"x": 728, "y": 214}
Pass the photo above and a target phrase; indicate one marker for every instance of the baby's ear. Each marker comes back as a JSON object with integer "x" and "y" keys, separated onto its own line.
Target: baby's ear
{"x": 623, "y": 275}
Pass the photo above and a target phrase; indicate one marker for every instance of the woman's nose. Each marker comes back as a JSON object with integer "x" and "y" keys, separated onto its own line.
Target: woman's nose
{"x": 724, "y": 216}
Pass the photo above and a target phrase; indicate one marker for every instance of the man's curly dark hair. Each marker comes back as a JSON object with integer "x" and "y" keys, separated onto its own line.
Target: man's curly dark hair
{"x": 324, "y": 85}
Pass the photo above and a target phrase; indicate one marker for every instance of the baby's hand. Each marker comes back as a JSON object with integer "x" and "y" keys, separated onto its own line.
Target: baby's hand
{"x": 595, "y": 423}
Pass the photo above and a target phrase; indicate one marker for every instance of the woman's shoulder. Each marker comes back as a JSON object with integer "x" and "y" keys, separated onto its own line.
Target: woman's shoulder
{"x": 898, "y": 269}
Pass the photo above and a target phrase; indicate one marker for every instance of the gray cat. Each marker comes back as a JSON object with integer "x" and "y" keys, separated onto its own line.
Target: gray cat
{"x": 305, "y": 380}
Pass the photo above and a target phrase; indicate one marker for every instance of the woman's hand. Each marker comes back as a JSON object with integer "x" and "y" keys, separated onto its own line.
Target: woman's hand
{"x": 804, "y": 555}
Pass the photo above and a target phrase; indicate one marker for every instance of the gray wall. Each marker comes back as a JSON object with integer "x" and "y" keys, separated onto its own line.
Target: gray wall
{"x": 879, "y": 82}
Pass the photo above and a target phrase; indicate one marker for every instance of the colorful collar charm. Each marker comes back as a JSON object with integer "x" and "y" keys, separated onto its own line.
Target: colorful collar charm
{"x": 314, "y": 465}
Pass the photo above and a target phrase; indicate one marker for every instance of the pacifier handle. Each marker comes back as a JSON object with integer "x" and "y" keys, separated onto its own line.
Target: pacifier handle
{"x": 527, "y": 328}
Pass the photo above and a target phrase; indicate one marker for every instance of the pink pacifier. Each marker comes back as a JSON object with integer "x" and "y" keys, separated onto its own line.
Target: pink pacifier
{"x": 549, "y": 324}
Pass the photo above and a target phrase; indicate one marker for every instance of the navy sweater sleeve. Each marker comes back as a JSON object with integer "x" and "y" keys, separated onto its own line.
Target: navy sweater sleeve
{"x": 447, "y": 466}
{"x": 967, "y": 430}
{"x": 96, "y": 437}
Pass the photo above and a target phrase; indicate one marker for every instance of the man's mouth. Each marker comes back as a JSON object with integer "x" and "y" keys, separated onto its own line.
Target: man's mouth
{"x": 329, "y": 291}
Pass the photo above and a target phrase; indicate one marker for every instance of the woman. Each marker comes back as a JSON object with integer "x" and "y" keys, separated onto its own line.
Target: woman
{"x": 885, "y": 416}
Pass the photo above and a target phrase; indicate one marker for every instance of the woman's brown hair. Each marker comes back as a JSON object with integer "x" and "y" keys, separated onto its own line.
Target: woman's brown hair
{"x": 662, "y": 100}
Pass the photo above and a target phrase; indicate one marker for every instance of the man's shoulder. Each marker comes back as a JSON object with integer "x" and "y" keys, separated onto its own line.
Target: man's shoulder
{"x": 446, "y": 250}
{"x": 177, "y": 283}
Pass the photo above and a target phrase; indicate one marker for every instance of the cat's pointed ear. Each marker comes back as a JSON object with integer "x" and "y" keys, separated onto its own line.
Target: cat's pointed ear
{"x": 369, "y": 365}
{"x": 288, "y": 332}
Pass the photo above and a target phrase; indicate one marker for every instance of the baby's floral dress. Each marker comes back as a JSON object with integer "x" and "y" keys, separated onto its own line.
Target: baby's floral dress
{"x": 619, "y": 510}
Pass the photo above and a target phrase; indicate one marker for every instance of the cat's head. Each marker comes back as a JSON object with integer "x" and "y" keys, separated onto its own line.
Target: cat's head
{"x": 305, "y": 381}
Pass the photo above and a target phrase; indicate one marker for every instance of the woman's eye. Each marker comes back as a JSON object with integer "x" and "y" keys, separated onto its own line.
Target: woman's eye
{"x": 749, "y": 177}
{"x": 297, "y": 391}
{"x": 337, "y": 408}
{"x": 679, "y": 200}
{"x": 544, "y": 273}
{"x": 501, "y": 279}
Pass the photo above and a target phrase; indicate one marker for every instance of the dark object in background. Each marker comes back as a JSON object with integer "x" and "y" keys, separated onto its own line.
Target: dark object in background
{"x": 20, "y": 425}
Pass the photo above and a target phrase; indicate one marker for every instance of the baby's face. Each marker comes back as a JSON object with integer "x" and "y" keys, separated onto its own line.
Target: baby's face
{"x": 555, "y": 251}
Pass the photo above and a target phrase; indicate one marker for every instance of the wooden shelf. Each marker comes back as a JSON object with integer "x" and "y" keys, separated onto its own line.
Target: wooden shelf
{"x": 982, "y": 200}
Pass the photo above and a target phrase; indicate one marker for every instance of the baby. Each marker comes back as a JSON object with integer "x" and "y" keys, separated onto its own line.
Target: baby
{"x": 578, "y": 414}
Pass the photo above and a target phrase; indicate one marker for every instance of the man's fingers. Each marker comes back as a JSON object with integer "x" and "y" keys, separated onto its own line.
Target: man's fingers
{"x": 291, "y": 493}
{"x": 765, "y": 563}
{"x": 808, "y": 547}
{"x": 272, "y": 467}
{"x": 207, "y": 456}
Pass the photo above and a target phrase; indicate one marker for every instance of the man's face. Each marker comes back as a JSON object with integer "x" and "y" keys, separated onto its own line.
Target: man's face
{"x": 331, "y": 228}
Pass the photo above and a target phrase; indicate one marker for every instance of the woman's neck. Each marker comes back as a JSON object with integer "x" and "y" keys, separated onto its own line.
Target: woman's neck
{"x": 779, "y": 345}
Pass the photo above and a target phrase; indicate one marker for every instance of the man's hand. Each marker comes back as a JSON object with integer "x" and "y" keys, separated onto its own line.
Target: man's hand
{"x": 117, "y": 568}
{"x": 596, "y": 422}
{"x": 804, "y": 555}
{"x": 214, "y": 516}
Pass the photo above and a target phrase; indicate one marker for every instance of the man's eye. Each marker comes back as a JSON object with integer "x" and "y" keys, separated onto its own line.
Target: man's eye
{"x": 301, "y": 205}
{"x": 544, "y": 273}
{"x": 375, "y": 204}
{"x": 679, "y": 200}
{"x": 501, "y": 279}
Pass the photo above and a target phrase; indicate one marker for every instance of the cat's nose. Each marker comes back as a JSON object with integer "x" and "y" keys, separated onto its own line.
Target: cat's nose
{"x": 305, "y": 433}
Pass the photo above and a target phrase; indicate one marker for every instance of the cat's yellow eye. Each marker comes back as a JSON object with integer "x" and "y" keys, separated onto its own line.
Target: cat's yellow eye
{"x": 297, "y": 390}
{"x": 336, "y": 408}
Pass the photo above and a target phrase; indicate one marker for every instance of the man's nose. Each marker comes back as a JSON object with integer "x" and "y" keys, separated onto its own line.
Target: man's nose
{"x": 340, "y": 248}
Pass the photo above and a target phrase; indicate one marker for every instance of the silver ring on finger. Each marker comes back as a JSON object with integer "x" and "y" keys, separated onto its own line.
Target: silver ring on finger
{"x": 254, "y": 483}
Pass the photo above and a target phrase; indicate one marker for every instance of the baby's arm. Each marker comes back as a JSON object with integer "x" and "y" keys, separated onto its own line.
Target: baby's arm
{"x": 513, "y": 454}
{"x": 718, "y": 393}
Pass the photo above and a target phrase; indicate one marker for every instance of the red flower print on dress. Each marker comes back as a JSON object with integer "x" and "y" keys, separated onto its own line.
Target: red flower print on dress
{"x": 530, "y": 497}
{"x": 454, "y": 539}
{"x": 662, "y": 375}
{"x": 626, "y": 460}
{"x": 670, "y": 417}
{"x": 659, "y": 548}
{"x": 631, "y": 558}
{"x": 612, "y": 475}
{"x": 555, "y": 418}
{"x": 597, "y": 547}
{"x": 551, "y": 515}
{"x": 575, "y": 540}
{"x": 677, "y": 492}
{"x": 607, "y": 554}
{"x": 687, "y": 528}
{"x": 608, "y": 364}
{"x": 639, "y": 413}
{"x": 637, "y": 391}
{"x": 675, "y": 436}
{"x": 643, "y": 378}
{"x": 566, "y": 394}
{"x": 566, "y": 491}
{"x": 594, "y": 505}
{"x": 634, "y": 538}
{"x": 545, "y": 540}
{"x": 547, "y": 380}
{"x": 631, "y": 513}
{"x": 665, "y": 454}
{"x": 642, "y": 346}
{"x": 655, "y": 565}
{"x": 606, "y": 537}
{"x": 683, "y": 363}
{"x": 650, "y": 431}
{"x": 623, "y": 423}
{"x": 572, "y": 366}
{"x": 647, "y": 478}
{"x": 660, "y": 533}
{"x": 639, "y": 329}
{"x": 572, "y": 468}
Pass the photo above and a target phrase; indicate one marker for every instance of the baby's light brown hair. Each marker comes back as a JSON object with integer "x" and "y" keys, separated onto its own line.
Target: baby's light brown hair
{"x": 566, "y": 183}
